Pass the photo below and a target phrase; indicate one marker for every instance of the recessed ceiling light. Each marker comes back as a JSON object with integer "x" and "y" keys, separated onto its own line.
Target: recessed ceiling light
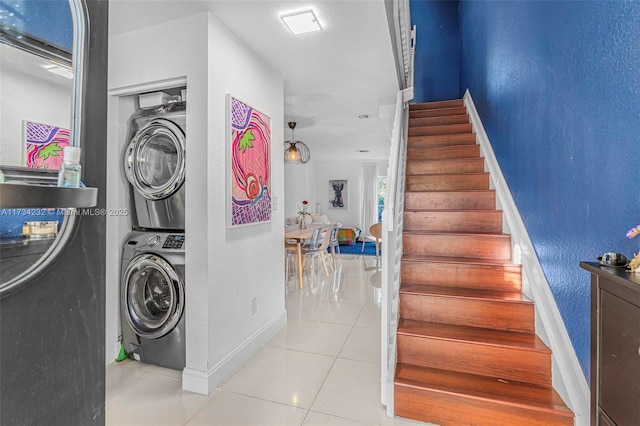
{"x": 363, "y": 116}
{"x": 362, "y": 150}
{"x": 301, "y": 22}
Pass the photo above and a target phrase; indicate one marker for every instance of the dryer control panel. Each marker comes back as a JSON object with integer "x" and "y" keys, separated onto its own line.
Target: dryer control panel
{"x": 173, "y": 242}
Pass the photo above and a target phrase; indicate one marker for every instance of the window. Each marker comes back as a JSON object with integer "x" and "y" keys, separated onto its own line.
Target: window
{"x": 381, "y": 190}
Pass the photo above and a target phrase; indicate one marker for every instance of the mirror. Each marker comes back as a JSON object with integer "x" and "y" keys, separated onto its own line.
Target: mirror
{"x": 42, "y": 45}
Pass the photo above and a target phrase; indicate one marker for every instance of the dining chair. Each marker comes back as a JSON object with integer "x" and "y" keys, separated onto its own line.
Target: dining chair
{"x": 335, "y": 246}
{"x": 375, "y": 234}
{"x": 323, "y": 248}
{"x": 311, "y": 250}
{"x": 290, "y": 250}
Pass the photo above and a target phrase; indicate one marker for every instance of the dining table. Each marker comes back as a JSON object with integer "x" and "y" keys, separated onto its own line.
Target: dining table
{"x": 300, "y": 235}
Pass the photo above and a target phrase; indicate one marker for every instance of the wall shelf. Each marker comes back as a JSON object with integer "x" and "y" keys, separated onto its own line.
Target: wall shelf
{"x": 25, "y": 195}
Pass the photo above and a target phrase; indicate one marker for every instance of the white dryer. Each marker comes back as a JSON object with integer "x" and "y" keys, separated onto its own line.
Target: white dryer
{"x": 154, "y": 163}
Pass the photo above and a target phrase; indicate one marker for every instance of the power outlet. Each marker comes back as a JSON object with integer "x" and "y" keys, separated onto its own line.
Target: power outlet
{"x": 254, "y": 305}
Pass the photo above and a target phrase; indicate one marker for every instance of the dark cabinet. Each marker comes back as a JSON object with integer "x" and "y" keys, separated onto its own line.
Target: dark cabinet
{"x": 615, "y": 346}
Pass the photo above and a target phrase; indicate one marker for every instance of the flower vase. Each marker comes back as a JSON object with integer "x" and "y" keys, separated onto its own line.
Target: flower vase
{"x": 303, "y": 222}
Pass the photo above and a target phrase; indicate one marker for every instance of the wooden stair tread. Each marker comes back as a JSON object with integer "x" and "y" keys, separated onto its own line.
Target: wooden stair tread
{"x": 417, "y": 191}
{"x": 445, "y": 160}
{"x": 479, "y": 211}
{"x": 466, "y": 260}
{"x": 437, "y": 104}
{"x": 459, "y": 233}
{"x": 446, "y": 165}
{"x": 437, "y": 112}
{"x": 435, "y": 175}
{"x": 435, "y": 148}
{"x": 465, "y": 138}
{"x": 441, "y": 129}
{"x": 439, "y": 120}
{"x": 443, "y": 152}
{"x": 512, "y": 393}
{"x": 475, "y": 335}
{"x": 467, "y": 293}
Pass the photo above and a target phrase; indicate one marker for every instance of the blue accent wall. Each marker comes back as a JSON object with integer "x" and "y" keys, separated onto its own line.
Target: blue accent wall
{"x": 437, "y": 62}
{"x": 557, "y": 85}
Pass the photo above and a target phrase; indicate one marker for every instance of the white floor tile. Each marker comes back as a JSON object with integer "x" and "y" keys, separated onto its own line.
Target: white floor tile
{"x": 363, "y": 344}
{"x": 118, "y": 378}
{"x": 320, "y": 419}
{"x": 323, "y": 311}
{"x": 352, "y": 391}
{"x": 312, "y": 336}
{"x": 370, "y": 316}
{"x": 152, "y": 369}
{"x": 399, "y": 421}
{"x": 228, "y": 409}
{"x": 153, "y": 400}
{"x": 282, "y": 375}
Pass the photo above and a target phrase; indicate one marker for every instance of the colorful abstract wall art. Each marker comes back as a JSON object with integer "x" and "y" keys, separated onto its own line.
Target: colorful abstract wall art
{"x": 249, "y": 147}
{"x": 44, "y": 145}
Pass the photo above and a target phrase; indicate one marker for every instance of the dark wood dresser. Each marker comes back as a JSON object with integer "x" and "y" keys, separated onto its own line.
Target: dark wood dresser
{"x": 615, "y": 346}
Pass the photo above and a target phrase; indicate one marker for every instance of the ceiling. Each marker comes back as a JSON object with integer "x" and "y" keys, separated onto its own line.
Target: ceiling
{"x": 26, "y": 63}
{"x": 330, "y": 77}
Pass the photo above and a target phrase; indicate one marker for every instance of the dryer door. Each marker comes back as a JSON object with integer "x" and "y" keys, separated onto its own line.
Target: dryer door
{"x": 152, "y": 296}
{"x": 154, "y": 161}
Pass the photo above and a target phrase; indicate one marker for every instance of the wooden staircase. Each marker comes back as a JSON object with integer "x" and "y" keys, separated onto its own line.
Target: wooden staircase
{"x": 467, "y": 349}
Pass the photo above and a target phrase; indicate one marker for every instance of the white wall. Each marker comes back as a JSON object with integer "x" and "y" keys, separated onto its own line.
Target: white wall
{"x": 311, "y": 182}
{"x": 300, "y": 185}
{"x": 245, "y": 262}
{"x": 225, "y": 268}
{"x": 26, "y": 97}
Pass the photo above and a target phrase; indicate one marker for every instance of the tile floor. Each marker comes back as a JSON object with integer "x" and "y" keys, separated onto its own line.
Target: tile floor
{"x": 323, "y": 369}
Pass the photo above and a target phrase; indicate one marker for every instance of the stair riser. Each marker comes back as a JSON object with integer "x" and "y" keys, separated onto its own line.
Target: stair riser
{"x": 508, "y": 316}
{"x": 439, "y": 121}
{"x": 475, "y": 165}
{"x": 472, "y": 358}
{"x": 486, "y": 277}
{"x": 440, "y": 112}
{"x": 468, "y": 246}
{"x": 440, "y": 130}
{"x": 437, "y": 105}
{"x": 444, "y": 153}
{"x": 447, "y": 182}
{"x": 457, "y": 221}
{"x": 448, "y": 409}
{"x": 482, "y": 200}
{"x": 441, "y": 140}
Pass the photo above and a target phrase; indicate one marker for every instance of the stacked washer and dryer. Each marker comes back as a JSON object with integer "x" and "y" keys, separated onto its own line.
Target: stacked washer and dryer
{"x": 152, "y": 287}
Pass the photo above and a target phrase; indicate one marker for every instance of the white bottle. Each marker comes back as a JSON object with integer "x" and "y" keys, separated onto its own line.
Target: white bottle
{"x": 69, "y": 175}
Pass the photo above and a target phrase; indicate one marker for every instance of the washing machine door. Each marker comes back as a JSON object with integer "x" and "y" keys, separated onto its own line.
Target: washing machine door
{"x": 154, "y": 161}
{"x": 152, "y": 297}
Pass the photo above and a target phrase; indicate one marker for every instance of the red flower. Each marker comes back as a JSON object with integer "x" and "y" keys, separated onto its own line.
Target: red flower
{"x": 305, "y": 202}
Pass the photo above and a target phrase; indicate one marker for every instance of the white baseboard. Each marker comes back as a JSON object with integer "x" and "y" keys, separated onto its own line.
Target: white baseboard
{"x": 204, "y": 382}
{"x": 568, "y": 379}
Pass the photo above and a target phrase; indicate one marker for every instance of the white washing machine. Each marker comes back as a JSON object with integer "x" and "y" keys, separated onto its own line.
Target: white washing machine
{"x": 152, "y": 295}
{"x": 154, "y": 163}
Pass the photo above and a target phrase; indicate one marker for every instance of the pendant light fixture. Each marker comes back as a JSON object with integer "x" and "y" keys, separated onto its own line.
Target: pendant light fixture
{"x": 295, "y": 152}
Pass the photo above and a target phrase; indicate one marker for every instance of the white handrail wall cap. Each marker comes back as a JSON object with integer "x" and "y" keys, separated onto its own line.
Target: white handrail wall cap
{"x": 407, "y": 94}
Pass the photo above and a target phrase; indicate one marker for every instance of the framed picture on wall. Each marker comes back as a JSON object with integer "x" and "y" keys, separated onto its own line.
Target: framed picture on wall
{"x": 44, "y": 144}
{"x": 338, "y": 191}
{"x": 248, "y": 165}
